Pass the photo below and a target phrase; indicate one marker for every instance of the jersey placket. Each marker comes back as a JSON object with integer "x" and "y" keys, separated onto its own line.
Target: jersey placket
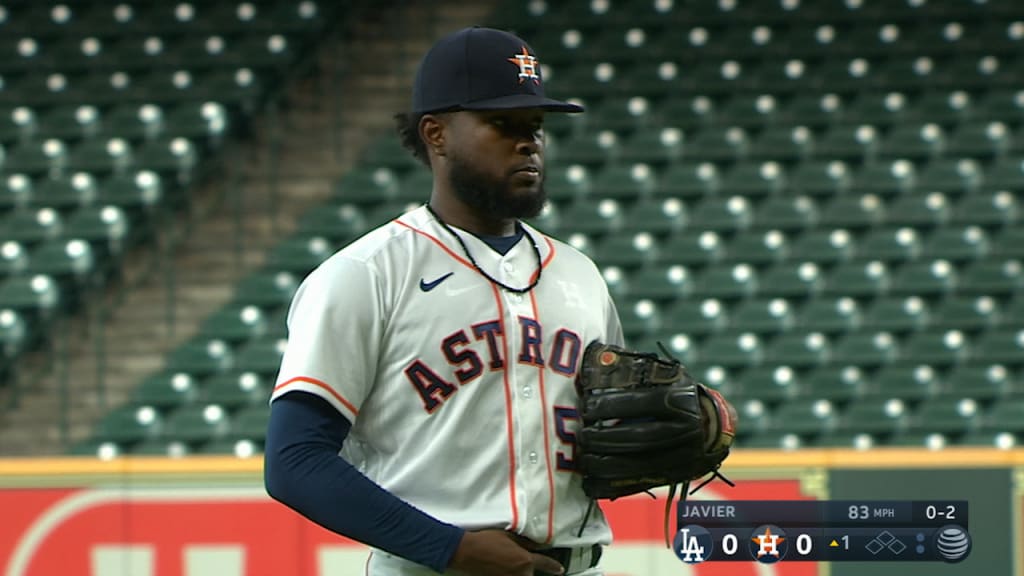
{"x": 525, "y": 366}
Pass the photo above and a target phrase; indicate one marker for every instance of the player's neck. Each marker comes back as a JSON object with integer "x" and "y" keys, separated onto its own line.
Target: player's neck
{"x": 461, "y": 216}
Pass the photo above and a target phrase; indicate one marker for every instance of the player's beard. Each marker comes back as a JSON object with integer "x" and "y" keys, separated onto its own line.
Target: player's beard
{"x": 493, "y": 197}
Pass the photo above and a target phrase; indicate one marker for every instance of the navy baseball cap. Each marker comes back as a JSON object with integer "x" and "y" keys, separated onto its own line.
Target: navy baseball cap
{"x": 481, "y": 69}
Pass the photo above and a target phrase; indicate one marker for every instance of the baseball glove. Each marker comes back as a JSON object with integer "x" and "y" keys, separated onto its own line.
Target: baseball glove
{"x": 645, "y": 422}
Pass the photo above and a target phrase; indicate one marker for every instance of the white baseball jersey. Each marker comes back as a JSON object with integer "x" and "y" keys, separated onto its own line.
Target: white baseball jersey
{"x": 461, "y": 394}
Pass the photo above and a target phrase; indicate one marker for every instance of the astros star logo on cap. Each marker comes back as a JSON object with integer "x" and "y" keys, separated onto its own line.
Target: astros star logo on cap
{"x": 527, "y": 66}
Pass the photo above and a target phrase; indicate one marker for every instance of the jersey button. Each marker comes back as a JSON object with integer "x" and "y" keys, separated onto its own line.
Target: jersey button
{"x": 533, "y": 457}
{"x": 527, "y": 391}
{"x": 509, "y": 267}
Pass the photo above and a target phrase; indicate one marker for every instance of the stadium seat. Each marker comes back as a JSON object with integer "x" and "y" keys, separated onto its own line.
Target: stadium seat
{"x": 661, "y": 217}
{"x": 299, "y": 254}
{"x": 689, "y": 180}
{"x": 1009, "y": 243}
{"x": 936, "y": 347}
{"x": 250, "y": 423}
{"x": 662, "y": 282}
{"x": 717, "y": 144}
{"x": 243, "y": 448}
{"x": 847, "y": 142}
{"x": 1001, "y": 104}
{"x": 236, "y": 389}
{"x": 266, "y": 289}
{"x": 853, "y": 212}
{"x": 747, "y": 110}
{"x": 129, "y": 424}
{"x": 69, "y": 261}
{"x": 836, "y": 382}
{"x": 726, "y": 281}
{"x": 927, "y": 278}
{"x": 877, "y": 416}
{"x": 15, "y": 191}
{"x": 627, "y": 250}
{"x": 831, "y": 316}
{"x": 64, "y": 192}
{"x": 987, "y": 209}
{"x": 984, "y": 381}
{"x": 814, "y": 109}
{"x": 732, "y": 350}
{"x": 136, "y": 192}
{"x": 623, "y": 114}
{"x": 695, "y": 317}
{"x": 941, "y": 106}
{"x": 866, "y": 348}
{"x": 1004, "y": 346}
{"x": 889, "y": 245}
{"x": 992, "y": 276}
{"x": 595, "y": 218}
{"x": 195, "y": 423}
{"x": 200, "y": 357}
{"x": 758, "y": 249}
{"x": 337, "y": 223}
{"x": 909, "y": 381}
{"x": 1005, "y": 416}
{"x": 952, "y": 416}
{"x": 160, "y": 448}
{"x": 823, "y": 246}
{"x": 921, "y": 211}
{"x": 623, "y": 181}
{"x": 31, "y": 227}
{"x": 761, "y": 316}
{"x": 876, "y": 108}
{"x": 859, "y": 279}
{"x": 37, "y": 158}
{"x": 1005, "y": 174}
{"x": 722, "y": 214}
{"x": 656, "y": 146}
{"x": 804, "y": 416}
{"x": 956, "y": 244}
{"x": 787, "y": 213}
{"x": 785, "y": 143}
{"x": 885, "y": 178}
{"x": 166, "y": 390}
{"x": 261, "y": 355}
{"x": 753, "y": 179}
{"x": 967, "y": 314}
{"x": 799, "y": 349}
{"x": 640, "y": 318}
{"x": 769, "y": 383}
{"x": 820, "y": 178}
{"x": 979, "y": 139}
{"x": 792, "y": 280}
{"x": 897, "y": 314}
{"x": 234, "y": 323}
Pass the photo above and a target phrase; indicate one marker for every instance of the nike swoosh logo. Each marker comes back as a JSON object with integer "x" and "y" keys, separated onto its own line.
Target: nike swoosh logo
{"x": 428, "y": 286}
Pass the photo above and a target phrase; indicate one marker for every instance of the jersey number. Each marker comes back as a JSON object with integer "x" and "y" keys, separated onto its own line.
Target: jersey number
{"x": 567, "y": 437}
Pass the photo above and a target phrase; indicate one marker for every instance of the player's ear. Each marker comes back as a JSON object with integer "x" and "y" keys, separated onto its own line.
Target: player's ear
{"x": 432, "y": 132}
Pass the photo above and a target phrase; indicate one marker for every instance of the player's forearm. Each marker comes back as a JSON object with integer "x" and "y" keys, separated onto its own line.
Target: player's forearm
{"x": 303, "y": 471}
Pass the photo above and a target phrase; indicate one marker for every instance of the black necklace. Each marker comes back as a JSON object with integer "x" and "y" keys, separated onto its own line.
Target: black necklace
{"x": 495, "y": 281}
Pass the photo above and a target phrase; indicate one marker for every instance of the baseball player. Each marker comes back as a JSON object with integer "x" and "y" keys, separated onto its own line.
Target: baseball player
{"x": 426, "y": 403}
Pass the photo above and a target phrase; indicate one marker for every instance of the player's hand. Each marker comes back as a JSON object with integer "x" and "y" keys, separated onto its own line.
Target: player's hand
{"x": 499, "y": 553}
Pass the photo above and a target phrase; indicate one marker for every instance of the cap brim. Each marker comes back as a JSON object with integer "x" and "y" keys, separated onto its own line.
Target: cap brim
{"x": 516, "y": 101}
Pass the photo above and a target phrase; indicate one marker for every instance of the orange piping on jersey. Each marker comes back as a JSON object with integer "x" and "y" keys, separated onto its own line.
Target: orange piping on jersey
{"x": 547, "y": 437}
{"x": 509, "y": 428}
{"x": 440, "y": 244}
{"x": 551, "y": 254}
{"x": 320, "y": 384}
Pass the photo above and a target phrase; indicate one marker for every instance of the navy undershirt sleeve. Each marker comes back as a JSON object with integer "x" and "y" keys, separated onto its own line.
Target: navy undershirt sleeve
{"x": 302, "y": 469}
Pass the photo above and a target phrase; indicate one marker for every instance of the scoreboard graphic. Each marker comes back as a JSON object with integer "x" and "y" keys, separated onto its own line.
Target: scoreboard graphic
{"x": 822, "y": 531}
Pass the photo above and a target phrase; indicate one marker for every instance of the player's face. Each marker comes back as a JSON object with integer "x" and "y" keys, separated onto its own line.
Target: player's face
{"x": 496, "y": 162}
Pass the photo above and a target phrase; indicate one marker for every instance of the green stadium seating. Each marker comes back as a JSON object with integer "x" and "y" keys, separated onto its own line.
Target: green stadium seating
{"x": 200, "y": 357}
{"x": 921, "y": 211}
{"x": 1003, "y": 345}
{"x": 987, "y": 209}
{"x": 129, "y": 424}
{"x": 260, "y": 355}
{"x": 866, "y": 348}
{"x": 952, "y": 416}
{"x": 897, "y": 314}
{"x": 662, "y": 282}
{"x": 694, "y": 317}
{"x": 889, "y": 245}
{"x": 762, "y": 316}
{"x": 166, "y": 391}
{"x": 234, "y": 390}
{"x": 877, "y": 416}
{"x": 804, "y": 416}
{"x": 250, "y": 423}
{"x": 836, "y": 382}
{"x": 830, "y": 316}
{"x": 195, "y": 423}
{"x": 909, "y": 381}
{"x": 984, "y": 381}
